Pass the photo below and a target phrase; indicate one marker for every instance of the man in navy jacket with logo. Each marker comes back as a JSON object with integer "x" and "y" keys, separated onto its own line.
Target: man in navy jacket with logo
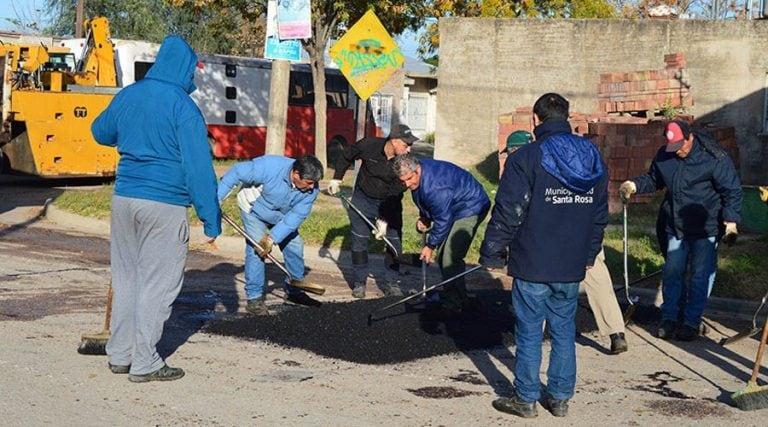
{"x": 550, "y": 213}
{"x": 453, "y": 203}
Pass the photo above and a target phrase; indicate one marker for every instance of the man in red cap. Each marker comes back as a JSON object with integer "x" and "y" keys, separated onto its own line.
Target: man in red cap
{"x": 702, "y": 204}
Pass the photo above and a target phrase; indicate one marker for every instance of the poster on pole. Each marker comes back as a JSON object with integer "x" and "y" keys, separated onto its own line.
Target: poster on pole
{"x": 294, "y": 19}
{"x": 367, "y": 55}
{"x": 274, "y": 47}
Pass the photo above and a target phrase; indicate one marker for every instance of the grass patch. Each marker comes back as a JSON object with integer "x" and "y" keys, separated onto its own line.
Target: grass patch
{"x": 739, "y": 267}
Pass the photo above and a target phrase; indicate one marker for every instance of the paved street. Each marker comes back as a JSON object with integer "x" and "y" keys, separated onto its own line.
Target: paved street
{"x": 53, "y": 282}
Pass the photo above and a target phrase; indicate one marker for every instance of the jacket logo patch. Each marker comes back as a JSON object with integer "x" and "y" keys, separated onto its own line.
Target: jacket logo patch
{"x": 563, "y": 196}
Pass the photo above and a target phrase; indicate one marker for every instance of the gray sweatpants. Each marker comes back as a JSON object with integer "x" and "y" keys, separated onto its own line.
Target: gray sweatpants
{"x": 148, "y": 252}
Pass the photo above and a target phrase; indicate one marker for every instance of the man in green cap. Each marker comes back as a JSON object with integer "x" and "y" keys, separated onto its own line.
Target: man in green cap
{"x": 515, "y": 140}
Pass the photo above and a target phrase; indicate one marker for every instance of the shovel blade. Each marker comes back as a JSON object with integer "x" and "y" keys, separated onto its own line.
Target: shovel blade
{"x": 628, "y": 314}
{"x": 308, "y": 287}
{"x": 740, "y": 336}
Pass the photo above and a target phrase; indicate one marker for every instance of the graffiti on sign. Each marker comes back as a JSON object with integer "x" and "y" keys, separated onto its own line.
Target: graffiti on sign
{"x": 367, "y": 55}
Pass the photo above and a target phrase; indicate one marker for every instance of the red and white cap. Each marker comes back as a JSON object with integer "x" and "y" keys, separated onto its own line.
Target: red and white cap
{"x": 676, "y": 132}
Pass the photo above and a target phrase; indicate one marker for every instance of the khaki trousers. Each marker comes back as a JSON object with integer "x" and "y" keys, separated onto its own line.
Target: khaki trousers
{"x": 602, "y": 299}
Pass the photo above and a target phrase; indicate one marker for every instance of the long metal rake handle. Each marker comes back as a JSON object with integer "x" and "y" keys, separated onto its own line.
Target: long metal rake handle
{"x": 626, "y": 255}
{"x": 423, "y": 262}
{"x": 410, "y": 297}
{"x": 367, "y": 221}
{"x": 250, "y": 239}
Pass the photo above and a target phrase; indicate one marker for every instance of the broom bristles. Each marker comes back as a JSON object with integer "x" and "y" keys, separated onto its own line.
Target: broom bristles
{"x": 751, "y": 397}
{"x": 94, "y": 344}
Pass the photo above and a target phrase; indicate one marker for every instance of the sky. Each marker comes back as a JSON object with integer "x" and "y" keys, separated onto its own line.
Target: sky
{"x": 24, "y": 9}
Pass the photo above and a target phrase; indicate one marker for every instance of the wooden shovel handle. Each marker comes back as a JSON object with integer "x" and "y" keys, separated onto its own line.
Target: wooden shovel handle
{"x": 760, "y": 351}
{"x": 109, "y": 308}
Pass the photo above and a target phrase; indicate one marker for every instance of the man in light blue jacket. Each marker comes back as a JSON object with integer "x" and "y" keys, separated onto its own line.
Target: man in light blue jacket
{"x": 165, "y": 165}
{"x": 277, "y": 196}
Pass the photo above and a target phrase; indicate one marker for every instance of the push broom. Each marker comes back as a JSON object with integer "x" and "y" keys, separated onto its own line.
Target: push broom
{"x": 754, "y": 396}
{"x": 96, "y": 344}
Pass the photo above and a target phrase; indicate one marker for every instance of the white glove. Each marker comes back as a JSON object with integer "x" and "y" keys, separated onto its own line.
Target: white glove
{"x": 334, "y": 187}
{"x": 731, "y": 233}
{"x": 627, "y": 189}
{"x": 381, "y": 229}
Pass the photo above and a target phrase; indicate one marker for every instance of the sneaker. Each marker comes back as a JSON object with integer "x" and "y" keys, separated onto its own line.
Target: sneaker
{"x": 392, "y": 289}
{"x": 687, "y": 333}
{"x": 618, "y": 343}
{"x": 303, "y": 299}
{"x": 358, "y": 291}
{"x": 666, "y": 329}
{"x": 119, "y": 369}
{"x": 166, "y": 373}
{"x": 516, "y": 406}
{"x": 558, "y": 408}
{"x": 257, "y": 307}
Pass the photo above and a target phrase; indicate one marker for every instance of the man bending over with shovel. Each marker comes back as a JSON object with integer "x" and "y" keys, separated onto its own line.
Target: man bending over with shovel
{"x": 453, "y": 203}
{"x": 285, "y": 190}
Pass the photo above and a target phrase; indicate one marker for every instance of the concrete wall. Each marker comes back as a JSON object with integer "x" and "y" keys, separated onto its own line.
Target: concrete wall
{"x": 493, "y": 66}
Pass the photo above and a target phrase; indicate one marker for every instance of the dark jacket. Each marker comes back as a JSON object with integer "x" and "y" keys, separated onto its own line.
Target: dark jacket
{"x": 447, "y": 193}
{"x": 551, "y": 208}
{"x": 703, "y": 189}
{"x": 376, "y": 177}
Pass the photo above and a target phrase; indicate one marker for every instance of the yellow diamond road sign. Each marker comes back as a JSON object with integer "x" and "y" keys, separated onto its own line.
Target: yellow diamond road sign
{"x": 367, "y": 55}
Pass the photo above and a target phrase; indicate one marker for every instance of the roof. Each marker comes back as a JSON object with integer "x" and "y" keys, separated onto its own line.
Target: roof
{"x": 417, "y": 68}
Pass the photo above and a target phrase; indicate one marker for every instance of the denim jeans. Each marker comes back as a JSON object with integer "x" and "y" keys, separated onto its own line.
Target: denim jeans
{"x": 293, "y": 254}
{"x": 534, "y": 303}
{"x": 702, "y": 254}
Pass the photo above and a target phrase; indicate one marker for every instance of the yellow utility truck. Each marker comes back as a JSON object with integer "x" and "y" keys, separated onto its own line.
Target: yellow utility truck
{"x": 49, "y": 101}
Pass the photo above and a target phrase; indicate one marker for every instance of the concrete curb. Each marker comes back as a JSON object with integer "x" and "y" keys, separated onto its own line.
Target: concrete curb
{"x": 335, "y": 261}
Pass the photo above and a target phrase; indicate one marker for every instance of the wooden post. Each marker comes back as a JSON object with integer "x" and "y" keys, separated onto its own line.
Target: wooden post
{"x": 278, "y": 107}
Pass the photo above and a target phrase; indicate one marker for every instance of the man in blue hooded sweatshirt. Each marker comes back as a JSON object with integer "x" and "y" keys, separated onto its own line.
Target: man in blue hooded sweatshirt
{"x": 165, "y": 166}
{"x": 550, "y": 214}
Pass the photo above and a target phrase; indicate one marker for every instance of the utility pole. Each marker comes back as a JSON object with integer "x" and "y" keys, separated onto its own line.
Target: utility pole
{"x": 79, "y": 19}
{"x": 278, "y": 107}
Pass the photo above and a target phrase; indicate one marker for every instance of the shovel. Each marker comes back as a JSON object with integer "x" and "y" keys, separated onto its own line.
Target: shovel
{"x": 749, "y": 332}
{"x": 309, "y": 287}
{"x": 423, "y": 292}
{"x": 631, "y": 308}
{"x": 367, "y": 221}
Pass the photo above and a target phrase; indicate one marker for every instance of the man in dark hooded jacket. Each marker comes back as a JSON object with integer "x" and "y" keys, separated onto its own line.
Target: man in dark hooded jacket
{"x": 165, "y": 166}
{"x": 702, "y": 204}
{"x": 550, "y": 214}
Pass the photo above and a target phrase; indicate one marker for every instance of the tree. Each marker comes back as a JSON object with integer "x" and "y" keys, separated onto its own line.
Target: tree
{"x": 330, "y": 18}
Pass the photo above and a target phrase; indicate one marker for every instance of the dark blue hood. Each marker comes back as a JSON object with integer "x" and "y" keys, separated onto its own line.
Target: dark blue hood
{"x": 571, "y": 159}
{"x": 176, "y": 62}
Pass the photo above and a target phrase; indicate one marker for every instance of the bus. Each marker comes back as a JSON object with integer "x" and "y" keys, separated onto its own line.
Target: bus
{"x": 233, "y": 95}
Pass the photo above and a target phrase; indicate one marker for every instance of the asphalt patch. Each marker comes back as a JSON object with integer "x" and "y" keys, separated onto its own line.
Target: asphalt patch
{"x": 441, "y": 392}
{"x": 696, "y": 409}
{"x": 403, "y": 333}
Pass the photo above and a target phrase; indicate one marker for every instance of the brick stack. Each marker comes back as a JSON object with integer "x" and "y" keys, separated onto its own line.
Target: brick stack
{"x": 641, "y": 91}
{"x": 627, "y": 149}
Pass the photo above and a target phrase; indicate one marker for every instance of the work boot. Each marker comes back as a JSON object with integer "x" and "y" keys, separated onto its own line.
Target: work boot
{"x": 119, "y": 369}
{"x": 516, "y": 406}
{"x": 392, "y": 288}
{"x": 666, "y": 329}
{"x": 687, "y": 333}
{"x": 257, "y": 307}
{"x": 303, "y": 299}
{"x": 558, "y": 408}
{"x": 618, "y": 343}
{"x": 166, "y": 373}
{"x": 358, "y": 291}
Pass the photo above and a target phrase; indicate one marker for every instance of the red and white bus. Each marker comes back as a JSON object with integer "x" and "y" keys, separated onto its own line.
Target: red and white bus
{"x": 233, "y": 94}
